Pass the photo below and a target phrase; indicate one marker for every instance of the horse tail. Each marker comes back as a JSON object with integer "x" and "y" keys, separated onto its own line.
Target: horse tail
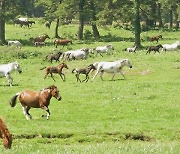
{"x": 13, "y": 100}
{"x": 5, "y": 134}
{"x": 54, "y": 42}
{"x": 42, "y": 68}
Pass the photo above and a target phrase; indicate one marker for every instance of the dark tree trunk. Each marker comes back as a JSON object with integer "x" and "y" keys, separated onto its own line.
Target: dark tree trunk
{"x": 176, "y": 18}
{"x": 94, "y": 27}
{"x": 110, "y": 7}
{"x": 2, "y": 22}
{"x": 81, "y": 19}
{"x": 159, "y": 16}
{"x": 171, "y": 17}
{"x": 137, "y": 24}
{"x": 56, "y": 29}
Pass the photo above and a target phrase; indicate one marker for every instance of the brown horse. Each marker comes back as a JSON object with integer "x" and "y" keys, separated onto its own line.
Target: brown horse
{"x": 58, "y": 70}
{"x": 5, "y": 135}
{"x": 36, "y": 99}
{"x": 62, "y": 42}
{"x": 155, "y": 38}
{"x": 41, "y": 38}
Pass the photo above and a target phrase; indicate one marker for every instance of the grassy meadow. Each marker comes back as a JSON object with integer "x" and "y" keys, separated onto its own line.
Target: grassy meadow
{"x": 137, "y": 115}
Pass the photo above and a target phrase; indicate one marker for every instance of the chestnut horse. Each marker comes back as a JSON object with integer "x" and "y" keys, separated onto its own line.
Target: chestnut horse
{"x": 41, "y": 38}
{"x": 155, "y": 38}
{"x": 62, "y": 42}
{"x": 58, "y": 70}
{"x": 36, "y": 99}
{"x": 5, "y": 135}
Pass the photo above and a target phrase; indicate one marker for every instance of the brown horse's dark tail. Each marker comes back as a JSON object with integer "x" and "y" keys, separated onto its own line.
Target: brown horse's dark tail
{"x": 5, "y": 134}
{"x": 43, "y": 68}
{"x": 13, "y": 100}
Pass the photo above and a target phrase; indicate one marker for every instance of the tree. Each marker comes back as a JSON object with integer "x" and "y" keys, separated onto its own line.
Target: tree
{"x": 2, "y": 21}
{"x": 137, "y": 25}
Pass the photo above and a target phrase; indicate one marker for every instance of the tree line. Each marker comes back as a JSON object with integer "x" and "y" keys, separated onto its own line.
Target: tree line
{"x": 139, "y": 14}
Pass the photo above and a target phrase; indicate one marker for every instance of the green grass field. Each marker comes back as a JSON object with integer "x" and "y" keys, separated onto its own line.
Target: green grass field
{"x": 137, "y": 115}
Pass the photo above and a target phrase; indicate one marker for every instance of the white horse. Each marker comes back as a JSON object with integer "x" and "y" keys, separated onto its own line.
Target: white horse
{"x": 132, "y": 49}
{"x": 103, "y": 49}
{"x": 167, "y": 47}
{"x": 80, "y": 54}
{"x": 6, "y": 69}
{"x": 111, "y": 67}
{"x": 15, "y": 43}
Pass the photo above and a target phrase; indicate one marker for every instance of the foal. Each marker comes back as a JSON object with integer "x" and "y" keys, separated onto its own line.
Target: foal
{"x": 58, "y": 70}
{"x": 83, "y": 71}
{"x": 155, "y": 38}
{"x": 154, "y": 48}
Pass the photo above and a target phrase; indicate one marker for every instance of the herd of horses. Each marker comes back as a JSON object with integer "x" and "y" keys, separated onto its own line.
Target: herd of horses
{"x": 41, "y": 99}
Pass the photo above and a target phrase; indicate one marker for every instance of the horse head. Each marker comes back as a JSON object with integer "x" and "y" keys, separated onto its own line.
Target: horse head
{"x": 46, "y": 36}
{"x": 55, "y": 92}
{"x": 65, "y": 65}
{"x": 17, "y": 67}
{"x": 126, "y": 62}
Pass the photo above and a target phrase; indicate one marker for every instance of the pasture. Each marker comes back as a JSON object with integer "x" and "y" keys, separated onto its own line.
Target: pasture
{"x": 137, "y": 115}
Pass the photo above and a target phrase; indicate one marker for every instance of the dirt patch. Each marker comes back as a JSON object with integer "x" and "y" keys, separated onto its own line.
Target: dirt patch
{"x": 140, "y": 137}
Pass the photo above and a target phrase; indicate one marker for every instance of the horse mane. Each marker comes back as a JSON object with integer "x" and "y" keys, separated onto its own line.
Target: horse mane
{"x": 5, "y": 135}
{"x": 50, "y": 87}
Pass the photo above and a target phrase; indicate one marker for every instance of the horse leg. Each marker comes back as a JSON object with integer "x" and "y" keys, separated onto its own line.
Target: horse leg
{"x": 25, "y": 112}
{"x": 52, "y": 77}
{"x": 27, "y": 109}
{"x": 77, "y": 77}
{"x": 86, "y": 79}
{"x": 62, "y": 76}
{"x": 95, "y": 74}
{"x": 10, "y": 80}
{"x": 122, "y": 74}
{"x": 47, "y": 110}
{"x": 113, "y": 76}
{"x": 101, "y": 74}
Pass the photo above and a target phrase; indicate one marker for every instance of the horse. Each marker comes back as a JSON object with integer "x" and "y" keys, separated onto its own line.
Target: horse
{"x": 41, "y": 38}
{"x": 58, "y": 70}
{"x": 15, "y": 43}
{"x": 111, "y": 67}
{"x": 132, "y": 49}
{"x": 103, "y": 49}
{"x": 155, "y": 38}
{"x": 85, "y": 71}
{"x": 154, "y": 48}
{"x": 171, "y": 46}
{"x": 6, "y": 69}
{"x": 5, "y": 135}
{"x": 79, "y": 54}
{"x": 55, "y": 57}
{"x": 36, "y": 99}
{"x": 62, "y": 42}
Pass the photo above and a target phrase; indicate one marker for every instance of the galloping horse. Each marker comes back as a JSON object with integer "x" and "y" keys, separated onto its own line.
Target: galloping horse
{"x": 111, "y": 67}
{"x": 58, "y": 70}
{"x": 36, "y": 99}
{"x": 155, "y": 38}
{"x": 154, "y": 48}
{"x": 5, "y": 135}
{"x": 62, "y": 42}
{"x": 6, "y": 69}
{"x": 41, "y": 38}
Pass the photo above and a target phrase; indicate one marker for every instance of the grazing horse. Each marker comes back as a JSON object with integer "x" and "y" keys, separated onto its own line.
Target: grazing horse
{"x": 5, "y": 135}
{"x": 62, "y": 42}
{"x": 36, "y": 99}
{"x": 154, "y": 48}
{"x": 58, "y": 70}
{"x": 83, "y": 71}
{"x": 155, "y": 38}
{"x": 6, "y": 69}
{"x": 111, "y": 67}
{"x": 41, "y": 38}
{"x": 15, "y": 43}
